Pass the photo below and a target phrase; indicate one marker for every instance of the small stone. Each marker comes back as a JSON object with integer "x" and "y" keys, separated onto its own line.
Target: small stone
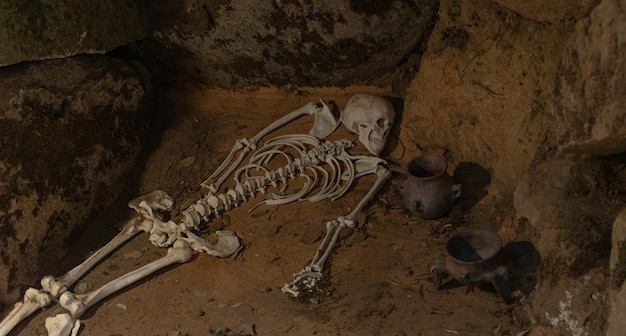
{"x": 186, "y": 162}
{"x": 81, "y": 287}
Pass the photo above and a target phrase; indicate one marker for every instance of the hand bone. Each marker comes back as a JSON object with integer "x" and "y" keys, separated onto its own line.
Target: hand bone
{"x": 227, "y": 244}
{"x": 34, "y": 300}
{"x": 310, "y": 275}
{"x": 149, "y": 204}
{"x": 78, "y": 304}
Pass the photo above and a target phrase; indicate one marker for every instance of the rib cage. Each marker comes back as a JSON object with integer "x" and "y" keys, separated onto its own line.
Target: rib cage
{"x": 311, "y": 156}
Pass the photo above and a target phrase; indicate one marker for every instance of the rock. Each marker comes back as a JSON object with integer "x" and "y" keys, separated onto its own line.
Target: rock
{"x": 569, "y": 205}
{"x": 617, "y": 293}
{"x": 553, "y": 11}
{"x": 70, "y": 133}
{"x": 573, "y": 307}
{"x": 478, "y": 94}
{"x": 314, "y": 43}
{"x": 37, "y": 30}
{"x": 590, "y": 94}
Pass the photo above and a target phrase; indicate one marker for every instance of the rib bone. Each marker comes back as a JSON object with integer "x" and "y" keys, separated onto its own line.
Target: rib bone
{"x": 78, "y": 304}
{"x": 313, "y": 153}
{"x": 34, "y": 299}
{"x": 214, "y": 183}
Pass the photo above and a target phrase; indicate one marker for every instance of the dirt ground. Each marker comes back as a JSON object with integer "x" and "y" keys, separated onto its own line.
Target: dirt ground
{"x": 379, "y": 276}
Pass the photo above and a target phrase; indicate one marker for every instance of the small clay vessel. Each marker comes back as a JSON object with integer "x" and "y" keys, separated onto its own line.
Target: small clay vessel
{"x": 429, "y": 192}
{"x": 473, "y": 258}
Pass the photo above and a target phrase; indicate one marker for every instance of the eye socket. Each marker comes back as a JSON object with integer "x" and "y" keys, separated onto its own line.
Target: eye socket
{"x": 380, "y": 122}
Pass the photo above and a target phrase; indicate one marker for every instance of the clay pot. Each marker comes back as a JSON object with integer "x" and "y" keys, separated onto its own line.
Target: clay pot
{"x": 472, "y": 253}
{"x": 473, "y": 259}
{"x": 429, "y": 191}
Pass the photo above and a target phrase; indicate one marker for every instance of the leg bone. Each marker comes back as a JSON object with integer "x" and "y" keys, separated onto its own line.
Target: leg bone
{"x": 56, "y": 286}
{"x": 147, "y": 205}
{"x": 34, "y": 300}
{"x": 78, "y": 304}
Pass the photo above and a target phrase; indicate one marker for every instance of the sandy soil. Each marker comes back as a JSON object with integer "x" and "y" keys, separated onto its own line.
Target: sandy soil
{"x": 379, "y": 276}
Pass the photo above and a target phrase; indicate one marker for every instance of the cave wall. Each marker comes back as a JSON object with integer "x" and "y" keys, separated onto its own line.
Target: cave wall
{"x": 522, "y": 88}
{"x": 538, "y": 101}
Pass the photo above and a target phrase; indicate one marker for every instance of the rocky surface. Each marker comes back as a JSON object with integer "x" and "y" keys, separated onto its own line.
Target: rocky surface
{"x": 553, "y": 11}
{"x": 35, "y": 30}
{"x": 590, "y": 93}
{"x": 70, "y": 133}
{"x": 512, "y": 92}
{"x": 246, "y": 43}
{"x": 483, "y": 91}
{"x": 570, "y": 205}
{"x": 617, "y": 292}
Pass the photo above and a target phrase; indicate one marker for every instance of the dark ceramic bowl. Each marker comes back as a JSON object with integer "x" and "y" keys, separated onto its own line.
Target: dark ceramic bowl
{"x": 473, "y": 247}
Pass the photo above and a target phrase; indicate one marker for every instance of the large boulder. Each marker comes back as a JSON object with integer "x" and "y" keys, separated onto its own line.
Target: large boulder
{"x": 591, "y": 92}
{"x": 243, "y": 43}
{"x": 35, "y": 30}
{"x": 70, "y": 133}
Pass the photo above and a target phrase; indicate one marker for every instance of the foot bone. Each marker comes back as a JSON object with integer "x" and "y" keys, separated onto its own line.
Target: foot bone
{"x": 62, "y": 325}
{"x": 34, "y": 299}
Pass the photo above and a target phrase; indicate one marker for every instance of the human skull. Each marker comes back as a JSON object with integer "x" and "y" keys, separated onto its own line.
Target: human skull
{"x": 371, "y": 117}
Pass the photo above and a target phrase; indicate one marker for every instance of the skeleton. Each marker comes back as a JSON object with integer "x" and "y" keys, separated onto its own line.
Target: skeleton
{"x": 306, "y": 156}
